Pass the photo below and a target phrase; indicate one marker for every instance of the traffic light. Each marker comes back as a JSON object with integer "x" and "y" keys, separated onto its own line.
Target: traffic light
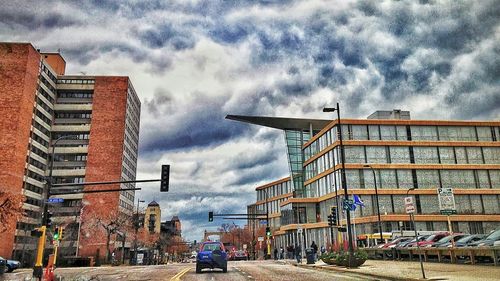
{"x": 56, "y": 234}
{"x": 268, "y": 231}
{"x": 61, "y": 233}
{"x": 165, "y": 175}
{"x": 331, "y": 221}
{"x": 332, "y": 218}
{"x": 48, "y": 220}
{"x": 210, "y": 216}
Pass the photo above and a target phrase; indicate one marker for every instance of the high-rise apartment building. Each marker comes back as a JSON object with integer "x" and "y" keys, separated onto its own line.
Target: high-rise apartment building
{"x": 95, "y": 122}
{"x": 398, "y": 154}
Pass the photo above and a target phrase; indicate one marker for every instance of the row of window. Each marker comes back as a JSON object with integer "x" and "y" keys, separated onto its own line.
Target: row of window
{"x": 81, "y": 136}
{"x": 413, "y": 132}
{"x": 35, "y": 176}
{"x": 69, "y": 179}
{"x": 405, "y": 179}
{"x": 272, "y": 206}
{"x": 33, "y": 188}
{"x": 275, "y": 190}
{"x": 70, "y": 157}
{"x": 75, "y": 81}
{"x": 49, "y": 73}
{"x": 73, "y": 115}
{"x": 74, "y": 94}
{"x": 43, "y": 105}
{"x": 47, "y": 84}
{"x": 36, "y": 163}
{"x": 41, "y": 128}
{"x": 45, "y": 94}
{"x": 42, "y": 116}
{"x": 404, "y": 155}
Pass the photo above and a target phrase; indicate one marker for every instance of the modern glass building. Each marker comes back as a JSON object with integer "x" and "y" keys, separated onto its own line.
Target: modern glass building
{"x": 400, "y": 154}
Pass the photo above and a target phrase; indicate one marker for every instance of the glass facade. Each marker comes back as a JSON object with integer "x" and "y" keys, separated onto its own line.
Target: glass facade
{"x": 294, "y": 140}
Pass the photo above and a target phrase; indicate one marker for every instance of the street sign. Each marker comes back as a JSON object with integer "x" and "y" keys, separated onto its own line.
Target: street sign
{"x": 410, "y": 209}
{"x": 244, "y": 246}
{"x": 263, "y": 222}
{"x": 408, "y": 200}
{"x": 409, "y": 206}
{"x": 260, "y": 238}
{"x": 446, "y": 201}
{"x": 55, "y": 200}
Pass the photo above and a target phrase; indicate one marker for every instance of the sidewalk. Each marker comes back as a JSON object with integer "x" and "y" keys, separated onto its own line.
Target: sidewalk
{"x": 405, "y": 270}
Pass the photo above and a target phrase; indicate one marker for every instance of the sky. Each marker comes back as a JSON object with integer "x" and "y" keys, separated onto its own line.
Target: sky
{"x": 193, "y": 62}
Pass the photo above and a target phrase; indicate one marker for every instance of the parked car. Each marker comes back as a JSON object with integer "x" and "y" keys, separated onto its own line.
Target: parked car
{"x": 466, "y": 240}
{"x": 488, "y": 241}
{"x": 212, "y": 255}
{"x": 443, "y": 242}
{"x": 394, "y": 243}
{"x": 11, "y": 265}
{"x": 429, "y": 240}
{"x": 3, "y": 265}
{"x": 406, "y": 243}
{"x": 240, "y": 255}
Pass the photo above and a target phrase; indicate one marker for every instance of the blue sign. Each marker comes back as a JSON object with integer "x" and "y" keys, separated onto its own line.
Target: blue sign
{"x": 263, "y": 222}
{"x": 55, "y": 200}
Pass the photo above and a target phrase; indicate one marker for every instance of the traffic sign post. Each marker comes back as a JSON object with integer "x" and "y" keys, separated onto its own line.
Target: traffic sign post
{"x": 409, "y": 206}
{"x": 447, "y": 206}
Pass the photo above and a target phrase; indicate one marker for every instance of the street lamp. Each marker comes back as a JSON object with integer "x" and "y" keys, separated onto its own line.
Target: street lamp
{"x": 268, "y": 255}
{"x": 344, "y": 183}
{"x": 378, "y": 205}
{"x": 136, "y": 229}
{"x": 412, "y": 219}
{"x": 49, "y": 178}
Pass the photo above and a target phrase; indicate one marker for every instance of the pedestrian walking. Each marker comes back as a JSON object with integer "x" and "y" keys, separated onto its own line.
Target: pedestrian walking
{"x": 282, "y": 253}
{"x": 275, "y": 253}
{"x": 298, "y": 255}
{"x": 315, "y": 249}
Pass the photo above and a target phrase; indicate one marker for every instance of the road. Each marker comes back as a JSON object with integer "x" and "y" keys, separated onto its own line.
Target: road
{"x": 237, "y": 271}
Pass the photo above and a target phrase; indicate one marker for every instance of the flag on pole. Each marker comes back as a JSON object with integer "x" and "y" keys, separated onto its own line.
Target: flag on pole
{"x": 357, "y": 201}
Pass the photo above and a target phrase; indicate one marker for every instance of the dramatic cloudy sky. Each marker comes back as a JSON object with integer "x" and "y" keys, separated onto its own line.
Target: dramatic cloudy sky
{"x": 193, "y": 62}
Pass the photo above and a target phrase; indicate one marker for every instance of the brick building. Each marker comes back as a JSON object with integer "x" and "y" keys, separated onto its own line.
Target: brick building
{"x": 98, "y": 120}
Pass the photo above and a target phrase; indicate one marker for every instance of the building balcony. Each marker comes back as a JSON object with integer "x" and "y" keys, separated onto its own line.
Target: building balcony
{"x": 71, "y": 128}
{"x": 73, "y": 107}
{"x": 68, "y": 173}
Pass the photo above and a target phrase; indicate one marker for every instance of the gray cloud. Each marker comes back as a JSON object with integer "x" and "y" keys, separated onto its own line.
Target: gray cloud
{"x": 193, "y": 62}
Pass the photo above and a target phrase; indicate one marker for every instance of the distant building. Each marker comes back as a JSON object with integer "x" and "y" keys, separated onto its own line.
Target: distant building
{"x": 39, "y": 104}
{"x": 152, "y": 218}
{"x": 171, "y": 227}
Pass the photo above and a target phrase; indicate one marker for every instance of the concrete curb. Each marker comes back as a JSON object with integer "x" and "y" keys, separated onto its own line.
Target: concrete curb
{"x": 346, "y": 270}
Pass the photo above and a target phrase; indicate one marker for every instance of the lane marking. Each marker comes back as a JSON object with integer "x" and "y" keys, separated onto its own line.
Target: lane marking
{"x": 178, "y": 276}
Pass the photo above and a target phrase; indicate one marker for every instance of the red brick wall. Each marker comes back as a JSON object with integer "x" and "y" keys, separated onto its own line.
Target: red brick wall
{"x": 19, "y": 66}
{"x": 104, "y": 162}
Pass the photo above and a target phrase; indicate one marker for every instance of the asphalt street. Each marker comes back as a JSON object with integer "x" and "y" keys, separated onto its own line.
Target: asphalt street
{"x": 237, "y": 271}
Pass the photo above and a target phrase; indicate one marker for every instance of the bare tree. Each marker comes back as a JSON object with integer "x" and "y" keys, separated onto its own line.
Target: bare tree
{"x": 111, "y": 223}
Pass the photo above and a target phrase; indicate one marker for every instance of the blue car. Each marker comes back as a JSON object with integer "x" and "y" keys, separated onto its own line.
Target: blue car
{"x": 8, "y": 265}
{"x": 3, "y": 264}
{"x": 212, "y": 255}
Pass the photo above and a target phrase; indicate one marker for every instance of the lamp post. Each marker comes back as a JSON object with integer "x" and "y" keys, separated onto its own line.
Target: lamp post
{"x": 268, "y": 255}
{"x": 344, "y": 183}
{"x": 412, "y": 219}
{"x": 49, "y": 178}
{"x": 378, "y": 205}
{"x": 136, "y": 229}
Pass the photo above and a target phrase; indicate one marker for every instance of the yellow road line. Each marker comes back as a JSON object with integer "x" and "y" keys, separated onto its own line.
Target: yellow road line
{"x": 178, "y": 276}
